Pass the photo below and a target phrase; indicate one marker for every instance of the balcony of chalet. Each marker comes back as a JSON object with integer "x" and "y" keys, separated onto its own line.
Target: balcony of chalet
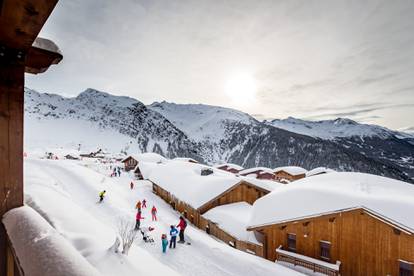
{"x": 305, "y": 263}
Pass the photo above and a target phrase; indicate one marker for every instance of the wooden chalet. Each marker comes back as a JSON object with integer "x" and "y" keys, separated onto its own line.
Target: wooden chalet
{"x": 238, "y": 190}
{"x": 259, "y": 173}
{"x": 352, "y": 241}
{"x": 130, "y": 163}
{"x": 233, "y": 168}
{"x": 20, "y": 52}
{"x": 289, "y": 173}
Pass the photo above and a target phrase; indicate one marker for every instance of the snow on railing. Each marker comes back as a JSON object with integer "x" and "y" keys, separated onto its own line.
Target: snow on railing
{"x": 39, "y": 249}
{"x": 310, "y": 263}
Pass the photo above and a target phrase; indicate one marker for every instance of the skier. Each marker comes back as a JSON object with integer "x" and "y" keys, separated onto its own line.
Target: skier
{"x": 138, "y": 220}
{"x": 182, "y": 225}
{"x": 101, "y": 196}
{"x": 132, "y": 185}
{"x": 173, "y": 234}
{"x": 119, "y": 171}
{"x": 144, "y": 203}
{"x": 164, "y": 242}
{"x": 154, "y": 213}
{"x": 138, "y": 205}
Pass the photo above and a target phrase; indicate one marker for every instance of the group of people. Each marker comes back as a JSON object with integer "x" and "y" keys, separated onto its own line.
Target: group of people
{"x": 139, "y": 216}
{"x": 173, "y": 235}
{"x": 116, "y": 172}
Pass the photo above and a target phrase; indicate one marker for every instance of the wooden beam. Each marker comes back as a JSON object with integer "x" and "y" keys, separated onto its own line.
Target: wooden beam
{"x": 22, "y": 20}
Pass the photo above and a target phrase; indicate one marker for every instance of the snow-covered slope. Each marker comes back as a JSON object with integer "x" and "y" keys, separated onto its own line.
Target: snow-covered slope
{"x": 201, "y": 122}
{"x": 331, "y": 129}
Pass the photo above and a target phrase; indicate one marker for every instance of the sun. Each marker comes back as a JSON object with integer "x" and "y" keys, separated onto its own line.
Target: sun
{"x": 241, "y": 89}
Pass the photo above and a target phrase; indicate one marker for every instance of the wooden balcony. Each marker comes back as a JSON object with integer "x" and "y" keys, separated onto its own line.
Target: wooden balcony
{"x": 312, "y": 264}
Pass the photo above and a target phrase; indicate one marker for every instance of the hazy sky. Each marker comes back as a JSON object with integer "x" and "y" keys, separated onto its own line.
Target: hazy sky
{"x": 273, "y": 59}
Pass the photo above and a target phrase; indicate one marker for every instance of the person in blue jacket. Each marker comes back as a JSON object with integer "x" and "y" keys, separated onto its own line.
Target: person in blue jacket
{"x": 164, "y": 241}
{"x": 173, "y": 234}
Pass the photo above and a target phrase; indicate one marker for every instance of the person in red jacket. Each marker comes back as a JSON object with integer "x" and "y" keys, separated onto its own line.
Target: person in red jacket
{"x": 182, "y": 224}
{"x": 154, "y": 213}
{"x": 138, "y": 220}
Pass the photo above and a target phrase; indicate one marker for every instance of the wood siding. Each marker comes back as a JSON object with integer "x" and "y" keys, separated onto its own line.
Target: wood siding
{"x": 243, "y": 192}
{"x": 194, "y": 217}
{"x": 364, "y": 244}
{"x": 280, "y": 175}
{"x": 130, "y": 163}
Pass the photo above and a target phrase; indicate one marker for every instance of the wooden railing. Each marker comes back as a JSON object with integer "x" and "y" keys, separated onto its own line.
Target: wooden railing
{"x": 307, "y": 262}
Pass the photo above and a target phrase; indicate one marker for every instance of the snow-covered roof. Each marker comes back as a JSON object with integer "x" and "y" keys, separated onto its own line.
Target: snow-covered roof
{"x": 146, "y": 168}
{"x": 148, "y": 157}
{"x": 234, "y": 219}
{"x": 184, "y": 180}
{"x": 230, "y": 166}
{"x": 265, "y": 184}
{"x": 318, "y": 170}
{"x": 252, "y": 170}
{"x": 327, "y": 193}
{"x": 185, "y": 159}
{"x": 292, "y": 170}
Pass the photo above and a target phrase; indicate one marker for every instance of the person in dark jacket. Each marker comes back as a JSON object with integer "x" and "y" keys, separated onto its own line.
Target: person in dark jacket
{"x": 182, "y": 225}
{"x": 173, "y": 234}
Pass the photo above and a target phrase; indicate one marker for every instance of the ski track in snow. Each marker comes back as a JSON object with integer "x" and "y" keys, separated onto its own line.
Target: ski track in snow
{"x": 205, "y": 255}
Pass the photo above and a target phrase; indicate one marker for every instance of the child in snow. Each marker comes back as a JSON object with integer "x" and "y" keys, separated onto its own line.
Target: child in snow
{"x": 138, "y": 220}
{"x": 144, "y": 203}
{"x": 101, "y": 196}
{"x": 138, "y": 205}
{"x": 182, "y": 225}
{"x": 154, "y": 213}
{"x": 164, "y": 242}
{"x": 173, "y": 234}
{"x": 132, "y": 185}
{"x": 145, "y": 234}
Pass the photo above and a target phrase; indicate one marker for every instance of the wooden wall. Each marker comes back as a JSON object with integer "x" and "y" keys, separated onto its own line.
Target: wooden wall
{"x": 130, "y": 163}
{"x": 284, "y": 175}
{"x": 364, "y": 244}
{"x": 195, "y": 218}
{"x": 242, "y": 192}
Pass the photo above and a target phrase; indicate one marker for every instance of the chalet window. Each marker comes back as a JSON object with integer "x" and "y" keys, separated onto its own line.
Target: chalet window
{"x": 406, "y": 268}
{"x": 291, "y": 241}
{"x": 325, "y": 250}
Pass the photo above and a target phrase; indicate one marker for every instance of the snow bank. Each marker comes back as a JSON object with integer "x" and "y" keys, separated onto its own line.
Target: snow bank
{"x": 335, "y": 191}
{"x": 252, "y": 170}
{"x": 184, "y": 180}
{"x": 185, "y": 159}
{"x": 40, "y": 249}
{"x": 292, "y": 170}
{"x": 234, "y": 219}
{"x": 268, "y": 185}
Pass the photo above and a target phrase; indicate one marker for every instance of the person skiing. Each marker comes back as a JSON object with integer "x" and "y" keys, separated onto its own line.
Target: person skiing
{"x": 144, "y": 203}
{"x": 132, "y": 185}
{"x": 138, "y": 218}
{"x": 182, "y": 225}
{"x": 154, "y": 213}
{"x": 138, "y": 205}
{"x": 164, "y": 242}
{"x": 101, "y": 196}
{"x": 173, "y": 234}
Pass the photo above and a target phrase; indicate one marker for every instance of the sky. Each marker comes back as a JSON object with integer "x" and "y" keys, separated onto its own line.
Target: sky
{"x": 307, "y": 59}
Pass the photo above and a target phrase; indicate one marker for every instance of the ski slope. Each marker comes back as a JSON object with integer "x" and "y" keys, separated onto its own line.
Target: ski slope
{"x": 65, "y": 193}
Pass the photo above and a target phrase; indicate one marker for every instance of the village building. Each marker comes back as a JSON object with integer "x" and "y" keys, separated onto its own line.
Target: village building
{"x": 289, "y": 173}
{"x": 318, "y": 171}
{"x": 259, "y": 173}
{"x": 186, "y": 159}
{"x": 131, "y": 162}
{"x": 183, "y": 186}
{"x": 229, "y": 167}
{"x": 347, "y": 224}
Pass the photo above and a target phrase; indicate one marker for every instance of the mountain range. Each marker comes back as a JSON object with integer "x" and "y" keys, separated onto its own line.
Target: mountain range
{"x": 212, "y": 134}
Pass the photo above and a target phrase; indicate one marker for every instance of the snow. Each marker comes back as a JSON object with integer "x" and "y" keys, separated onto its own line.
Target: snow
{"x": 234, "y": 219}
{"x": 41, "y": 250}
{"x": 331, "y": 129}
{"x": 230, "y": 166}
{"x": 318, "y": 170}
{"x": 337, "y": 191}
{"x": 46, "y": 44}
{"x": 292, "y": 170}
{"x": 252, "y": 170}
{"x": 309, "y": 259}
{"x": 201, "y": 122}
{"x": 184, "y": 180}
{"x": 268, "y": 185}
{"x": 65, "y": 193}
{"x": 185, "y": 159}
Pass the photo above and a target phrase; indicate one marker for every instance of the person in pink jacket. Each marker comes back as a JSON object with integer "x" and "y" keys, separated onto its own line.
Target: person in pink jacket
{"x": 138, "y": 220}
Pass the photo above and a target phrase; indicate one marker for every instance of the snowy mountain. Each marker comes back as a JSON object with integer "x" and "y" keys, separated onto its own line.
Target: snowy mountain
{"x": 206, "y": 133}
